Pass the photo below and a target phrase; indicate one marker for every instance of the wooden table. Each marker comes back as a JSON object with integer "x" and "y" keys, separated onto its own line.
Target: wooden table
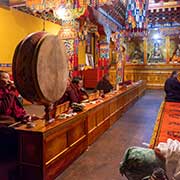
{"x": 47, "y": 149}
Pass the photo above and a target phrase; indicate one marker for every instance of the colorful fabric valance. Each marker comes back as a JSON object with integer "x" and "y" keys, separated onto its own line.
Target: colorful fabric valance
{"x": 136, "y": 15}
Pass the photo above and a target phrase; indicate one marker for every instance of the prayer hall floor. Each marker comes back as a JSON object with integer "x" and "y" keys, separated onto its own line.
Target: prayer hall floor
{"x": 101, "y": 160}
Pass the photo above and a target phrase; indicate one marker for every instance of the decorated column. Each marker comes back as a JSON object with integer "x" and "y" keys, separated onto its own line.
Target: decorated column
{"x": 167, "y": 49}
{"x": 145, "y": 50}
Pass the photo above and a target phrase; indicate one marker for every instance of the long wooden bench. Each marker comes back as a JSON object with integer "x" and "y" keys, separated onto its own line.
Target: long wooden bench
{"x": 47, "y": 149}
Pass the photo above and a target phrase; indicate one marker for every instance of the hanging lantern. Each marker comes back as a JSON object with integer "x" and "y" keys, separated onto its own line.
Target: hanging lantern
{"x": 40, "y": 5}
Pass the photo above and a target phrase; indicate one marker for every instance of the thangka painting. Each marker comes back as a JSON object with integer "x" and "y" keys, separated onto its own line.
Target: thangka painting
{"x": 104, "y": 51}
{"x": 135, "y": 51}
{"x": 69, "y": 48}
{"x": 175, "y": 49}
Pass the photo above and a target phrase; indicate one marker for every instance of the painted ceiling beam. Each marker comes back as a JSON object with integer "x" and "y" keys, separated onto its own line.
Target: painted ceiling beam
{"x": 161, "y": 5}
{"x": 109, "y": 17}
{"x": 16, "y": 3}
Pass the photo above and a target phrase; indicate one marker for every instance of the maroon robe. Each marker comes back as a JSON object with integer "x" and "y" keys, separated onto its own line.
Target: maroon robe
{"x": 71, "y": 94}
{"x": 104, "y": 85}
{"x": 10, "y": 105}
{"x": 172, "y": 89}
{"x": 81, "y": 93}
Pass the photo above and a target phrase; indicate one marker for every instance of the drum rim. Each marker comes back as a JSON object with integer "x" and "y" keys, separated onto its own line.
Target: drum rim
{"x": 16, "y": 60}
{"x": 43, "y": 99}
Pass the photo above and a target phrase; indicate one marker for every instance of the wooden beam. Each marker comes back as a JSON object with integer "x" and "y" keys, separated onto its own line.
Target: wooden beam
{"x": 17, "y": 3}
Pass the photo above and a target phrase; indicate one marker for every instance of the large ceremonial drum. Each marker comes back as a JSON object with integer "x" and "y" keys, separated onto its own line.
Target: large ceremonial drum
{"x": 40, "y": 69}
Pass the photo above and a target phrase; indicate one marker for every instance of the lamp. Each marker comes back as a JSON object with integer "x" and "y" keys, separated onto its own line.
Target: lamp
{"x": 68, "y": 11}
{"x": 40, "y": 5}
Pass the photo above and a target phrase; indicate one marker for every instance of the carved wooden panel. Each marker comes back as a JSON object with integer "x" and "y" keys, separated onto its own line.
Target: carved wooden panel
{"x": 30, "y": 147}
{"x": 76, "y": 132}
{"x": 106, "y": 109}
{"x": 59, "y": 164}
{"x": 92, "y": 120}
{"x": 55, "y": 143}
{"x": 100, "y": 114}
{"x": 154, "y": 75}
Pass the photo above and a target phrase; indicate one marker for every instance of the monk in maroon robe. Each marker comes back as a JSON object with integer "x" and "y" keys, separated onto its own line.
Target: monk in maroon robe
{"x": 172, "y": 88}
{"x": 79, "y": 89}
{"x": 10, "y": 107}
{"x": 70, "y": 94}
{"x": 104, "y": 84}
{"x": 74, "y": 92}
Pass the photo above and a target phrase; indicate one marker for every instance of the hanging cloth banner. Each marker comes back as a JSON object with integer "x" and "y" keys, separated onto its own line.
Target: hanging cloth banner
{"x": 136, "y": 15}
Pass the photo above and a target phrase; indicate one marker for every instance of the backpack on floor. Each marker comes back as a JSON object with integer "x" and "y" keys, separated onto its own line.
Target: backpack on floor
{"x": 140, "y": 162}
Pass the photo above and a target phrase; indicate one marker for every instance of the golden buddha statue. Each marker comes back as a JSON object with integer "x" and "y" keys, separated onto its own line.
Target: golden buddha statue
{"x": 176, "y": 55}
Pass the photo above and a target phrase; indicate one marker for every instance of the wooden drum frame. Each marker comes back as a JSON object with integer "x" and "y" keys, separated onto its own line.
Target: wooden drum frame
{"x": 40, "y": 68}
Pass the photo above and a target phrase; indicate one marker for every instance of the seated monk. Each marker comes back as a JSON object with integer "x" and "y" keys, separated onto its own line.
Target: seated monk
{"x": 70, "y": 94}
{"x": 104, "y": 84}
{"x": 78, "y": 85}
{"x": 172, "y": 88}
{"x": 74, "y": 92}
{"x": 10, "y": 107}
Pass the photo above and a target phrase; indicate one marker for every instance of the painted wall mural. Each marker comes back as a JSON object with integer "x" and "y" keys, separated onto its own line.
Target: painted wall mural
{"x": 135, "y": 51}
{"x": 175, "y": 49}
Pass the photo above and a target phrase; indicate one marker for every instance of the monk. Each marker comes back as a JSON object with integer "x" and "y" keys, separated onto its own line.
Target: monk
{"x": 172, "y": 88}
{"x": 69, "y": 95}
{"x": 104, "y": 84}
{"x": 78, "y": 86}
{"x": 10, "y": 107}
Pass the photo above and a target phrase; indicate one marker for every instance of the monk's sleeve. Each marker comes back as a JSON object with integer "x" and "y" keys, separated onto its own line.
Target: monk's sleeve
{"x": 6, "y": 101}
{"x": 73, "y": 96}
{"x": 18, "y": 111}
{"x": 99, "y": 85}
{"x": 176, "y": 84}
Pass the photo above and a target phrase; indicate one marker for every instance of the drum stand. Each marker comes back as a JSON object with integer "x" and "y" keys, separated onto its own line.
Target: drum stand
{"x": 48, "y": 115}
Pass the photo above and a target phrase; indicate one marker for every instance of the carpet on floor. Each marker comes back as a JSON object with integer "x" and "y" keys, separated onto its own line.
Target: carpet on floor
{"x": 167, "y": 124}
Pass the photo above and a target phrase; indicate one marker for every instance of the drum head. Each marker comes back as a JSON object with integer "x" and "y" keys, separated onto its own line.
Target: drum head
{"x": 22, "y": 66}
{"x": 51, "y": 68}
